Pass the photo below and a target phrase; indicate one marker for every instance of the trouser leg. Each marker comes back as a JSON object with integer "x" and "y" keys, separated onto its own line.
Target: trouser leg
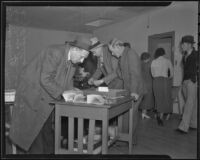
{"x": 193, "y": 121}
{"x": 189, "y": 106}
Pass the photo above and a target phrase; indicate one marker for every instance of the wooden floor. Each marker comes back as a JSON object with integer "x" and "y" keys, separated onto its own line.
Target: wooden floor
{"x": 157, "y": 140}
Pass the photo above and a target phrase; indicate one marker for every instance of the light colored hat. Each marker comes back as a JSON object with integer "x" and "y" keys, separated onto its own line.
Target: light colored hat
{"x": 95, "y": 43}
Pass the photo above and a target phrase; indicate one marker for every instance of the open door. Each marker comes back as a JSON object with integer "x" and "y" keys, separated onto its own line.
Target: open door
{"x": 164, "y": 40}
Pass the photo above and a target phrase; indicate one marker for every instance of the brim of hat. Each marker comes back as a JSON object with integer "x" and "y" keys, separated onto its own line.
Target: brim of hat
{"x": 187, "y": 42}
{"x": 79, "y": 46}
{"x": 96, "y": 47}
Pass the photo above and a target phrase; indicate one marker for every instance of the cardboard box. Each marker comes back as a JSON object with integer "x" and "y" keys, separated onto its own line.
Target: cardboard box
{"x": 112, "y": 93}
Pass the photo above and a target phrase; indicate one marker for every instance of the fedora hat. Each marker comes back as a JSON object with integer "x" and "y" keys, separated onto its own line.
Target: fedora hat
{"x": 187, "y": 39}
{"x": 81, "y": 42}
{"x": 95, "y": 43}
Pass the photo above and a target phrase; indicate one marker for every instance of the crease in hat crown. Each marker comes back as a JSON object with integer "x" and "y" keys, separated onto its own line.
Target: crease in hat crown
{"x": 82, "y": 42}
{"x": 95, "y": 43}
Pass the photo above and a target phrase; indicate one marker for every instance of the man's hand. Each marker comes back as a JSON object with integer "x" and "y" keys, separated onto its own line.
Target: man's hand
{"x": 76, "y": 89}
{"x": 83, "y": 73}
{"x": 98, "y": 82}
{"x": 136, "y": 96}
{"x": 91, "y": 81}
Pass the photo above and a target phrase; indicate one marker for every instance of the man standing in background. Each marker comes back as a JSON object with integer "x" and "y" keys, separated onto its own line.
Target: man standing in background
{"x": 189, "y": 87}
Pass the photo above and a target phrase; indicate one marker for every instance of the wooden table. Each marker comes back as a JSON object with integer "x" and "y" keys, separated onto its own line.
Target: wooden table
{"x": 92, "y": 112}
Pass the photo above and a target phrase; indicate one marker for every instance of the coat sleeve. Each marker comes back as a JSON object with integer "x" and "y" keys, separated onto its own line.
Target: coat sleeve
{"x": 97, "y": 74}
{"x": 113, "y": 74}
{"x": 49, "y": 69}
{"x": 136, "y": 80}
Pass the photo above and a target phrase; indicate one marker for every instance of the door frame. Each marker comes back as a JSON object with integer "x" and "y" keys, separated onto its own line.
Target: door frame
{"x": 163, "y": 35}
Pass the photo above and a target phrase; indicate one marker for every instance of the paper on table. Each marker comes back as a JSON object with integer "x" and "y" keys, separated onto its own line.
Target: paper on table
{"x": 95, "y": 99}
{"x": 70, "y": 95}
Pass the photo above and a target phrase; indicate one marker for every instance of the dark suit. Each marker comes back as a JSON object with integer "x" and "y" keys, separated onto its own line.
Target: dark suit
{"x": 43, "y": 80}
{"x": 108, "y": 69}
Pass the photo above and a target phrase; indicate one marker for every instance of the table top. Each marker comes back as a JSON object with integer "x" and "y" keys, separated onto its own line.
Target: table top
{"x": 118, "y": 101}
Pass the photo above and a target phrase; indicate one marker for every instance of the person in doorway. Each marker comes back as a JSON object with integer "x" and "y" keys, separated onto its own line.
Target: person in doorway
{"x": 162, "y": 72}
{"x": 107, "y": 65}
{"x": 148, "y": 99}
{"x": 129, "y": 69}
{"x": 189, "y": 86}
{"x": 44, "y": 79}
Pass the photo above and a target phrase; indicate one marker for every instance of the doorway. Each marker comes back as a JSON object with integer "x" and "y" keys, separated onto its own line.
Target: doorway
{"x": 164, "y": 40}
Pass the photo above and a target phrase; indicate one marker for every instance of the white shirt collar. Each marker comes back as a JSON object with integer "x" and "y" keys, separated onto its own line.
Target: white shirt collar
{"x": 69, "y": 55}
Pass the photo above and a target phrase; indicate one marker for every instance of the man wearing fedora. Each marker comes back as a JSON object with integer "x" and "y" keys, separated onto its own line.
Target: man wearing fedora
{"x": 44, "y": 79}
{"x": 107, "y": 66}
{"x": 189, "y": 87}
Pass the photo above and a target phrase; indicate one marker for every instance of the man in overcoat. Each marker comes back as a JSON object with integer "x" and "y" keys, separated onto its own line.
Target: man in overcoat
{"x": 106, "y": 66}
{"x": 44, "y": 79}
{"x": 130, "y": 71}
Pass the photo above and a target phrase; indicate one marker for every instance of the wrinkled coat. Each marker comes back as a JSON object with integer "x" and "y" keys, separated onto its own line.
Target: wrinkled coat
{"x": 148, "y": 99}
{"x": 42, "y": 80}
{"x": 130, "y": 67}
{"x": 109, "y": 68}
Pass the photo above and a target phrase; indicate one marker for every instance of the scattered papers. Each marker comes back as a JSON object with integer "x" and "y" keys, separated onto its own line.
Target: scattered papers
{"x": 95, "y": 99}
{"x": 72, "y": 96}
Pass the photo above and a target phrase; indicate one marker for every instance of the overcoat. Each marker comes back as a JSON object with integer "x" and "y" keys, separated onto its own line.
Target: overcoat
{"x": 108, "y": 69}
{"x": 44, "y": 79}
{"x": 131, "y": 73}
{"x": 148, "y": 99}
{"x": 130, "y": 70}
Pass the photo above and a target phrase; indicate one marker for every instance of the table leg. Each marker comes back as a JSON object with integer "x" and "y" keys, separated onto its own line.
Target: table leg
{"x": 130, "y": 129}
{"x": 120, "y": 119}
{"x": 57, "y": 130}
{"x": 105, "y": 136}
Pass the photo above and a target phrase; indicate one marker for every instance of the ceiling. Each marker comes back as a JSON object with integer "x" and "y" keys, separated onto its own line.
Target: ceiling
{"x": 71, "y": 18}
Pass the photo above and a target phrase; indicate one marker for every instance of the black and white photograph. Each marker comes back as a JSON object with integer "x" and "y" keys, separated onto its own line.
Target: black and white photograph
{"x": 116, "y": 79}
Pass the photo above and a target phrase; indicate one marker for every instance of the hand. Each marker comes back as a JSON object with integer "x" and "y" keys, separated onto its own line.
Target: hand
{"x": 136, "y": 96}
{"x": 83, "y": 73}
{"x": 98, "y": 82}
{"x": 76, "y": 89}
{"x": 91, "y": 81}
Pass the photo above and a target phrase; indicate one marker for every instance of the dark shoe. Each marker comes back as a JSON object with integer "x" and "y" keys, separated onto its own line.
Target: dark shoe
{"x": 160, "y": 122}
{"x": 180, "y": 131}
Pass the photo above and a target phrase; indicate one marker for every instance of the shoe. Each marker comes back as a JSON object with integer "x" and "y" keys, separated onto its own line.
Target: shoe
{"x": 145, "y": 116}
{"x": 168, "y": 116}
{"x": 180, "y": 131}
{"x": 160, "y": 121}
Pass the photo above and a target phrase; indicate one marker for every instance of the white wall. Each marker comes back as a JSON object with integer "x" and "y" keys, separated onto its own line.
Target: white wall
{"x": 37, "y": 39}
{"x": 181, "y": 17}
